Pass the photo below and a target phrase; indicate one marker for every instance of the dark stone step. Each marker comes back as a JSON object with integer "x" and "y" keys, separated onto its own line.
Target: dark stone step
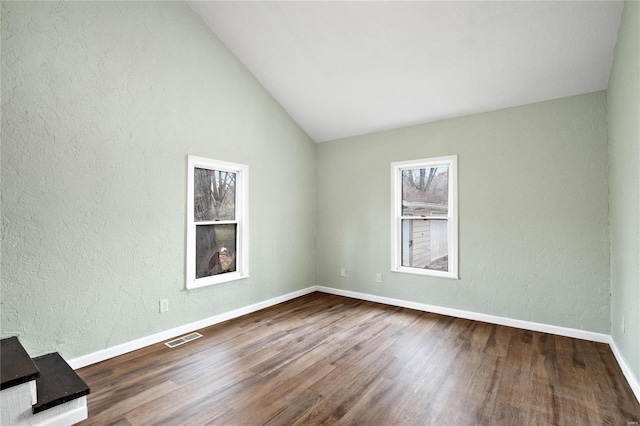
{"x": 58, "y": 383}
{"x": 16, "y": 366}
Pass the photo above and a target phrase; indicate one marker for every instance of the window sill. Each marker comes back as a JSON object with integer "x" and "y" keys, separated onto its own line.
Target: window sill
{"x": 426, "y": 272}
{"x": 220, "y": 279}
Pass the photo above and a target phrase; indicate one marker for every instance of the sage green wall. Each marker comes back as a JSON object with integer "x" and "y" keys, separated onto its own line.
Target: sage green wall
{"x": 101, "y": 104}
{"x": 533, "y": 215}
{"x": 623, "y": 100}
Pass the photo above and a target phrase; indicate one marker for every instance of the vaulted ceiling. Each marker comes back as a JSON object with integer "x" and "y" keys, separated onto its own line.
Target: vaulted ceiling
{"x": 349, "y": 68}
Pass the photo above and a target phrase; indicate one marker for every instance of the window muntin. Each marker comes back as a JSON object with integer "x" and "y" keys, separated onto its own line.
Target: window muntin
{"x": 217, "y": 228}
{"x": 424, "y": 217}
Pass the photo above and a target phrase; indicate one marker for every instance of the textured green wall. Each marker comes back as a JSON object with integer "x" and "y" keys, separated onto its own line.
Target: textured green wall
{"x": 101, "y": 104}
{"x": 533, "y": 215}
{"x": 623, "y": 100}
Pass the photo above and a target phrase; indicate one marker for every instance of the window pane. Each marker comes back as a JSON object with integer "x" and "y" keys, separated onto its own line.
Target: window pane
{"x": 215, "y": 249}
{"x": 425, "y": 244}
{"x": 425, "y": 192}
{"x": 214, "y": 195}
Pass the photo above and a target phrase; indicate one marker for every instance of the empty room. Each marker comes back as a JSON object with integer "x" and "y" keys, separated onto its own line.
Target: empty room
{"x": 318, "y": 212}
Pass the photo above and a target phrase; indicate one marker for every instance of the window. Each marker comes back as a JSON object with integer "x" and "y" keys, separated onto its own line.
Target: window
{"x": 424, "y": 217}
{"x": 217, "y": 222}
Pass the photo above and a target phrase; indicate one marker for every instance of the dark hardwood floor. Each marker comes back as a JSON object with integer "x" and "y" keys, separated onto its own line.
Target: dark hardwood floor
{"x": 324, "y": 359}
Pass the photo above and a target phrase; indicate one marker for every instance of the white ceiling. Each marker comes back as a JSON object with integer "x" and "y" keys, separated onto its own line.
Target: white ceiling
{"x": 349, "y": 68}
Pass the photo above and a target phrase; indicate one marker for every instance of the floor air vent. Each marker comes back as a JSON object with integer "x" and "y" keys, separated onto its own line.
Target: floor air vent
{"x": 182, "y": 340}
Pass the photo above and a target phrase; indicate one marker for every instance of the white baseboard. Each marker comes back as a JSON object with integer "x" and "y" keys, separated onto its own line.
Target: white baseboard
{"x": 69, "y": 413}
{"x": 114, "y": 351}
{"x": 133, "y": 345}
{"x": 458, "y": 313}
{"x": 626, "y": 370}
{"x": 510, "y": 322}
{"x": 69, "y": 418}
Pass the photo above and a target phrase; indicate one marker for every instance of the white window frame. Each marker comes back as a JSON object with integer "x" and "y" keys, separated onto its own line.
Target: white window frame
{"x": 451, "y": 218}
{"x": 241, "y": 220}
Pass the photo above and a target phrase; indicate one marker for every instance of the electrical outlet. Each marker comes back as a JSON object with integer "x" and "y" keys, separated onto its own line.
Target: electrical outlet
{"x": 164, "y": 306}
{"x": 343, "y": 272}
{"x": 378, "y": 278}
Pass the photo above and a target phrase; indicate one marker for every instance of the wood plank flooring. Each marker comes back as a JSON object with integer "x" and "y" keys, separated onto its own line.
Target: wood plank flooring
{"x": 324, "y": 359}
